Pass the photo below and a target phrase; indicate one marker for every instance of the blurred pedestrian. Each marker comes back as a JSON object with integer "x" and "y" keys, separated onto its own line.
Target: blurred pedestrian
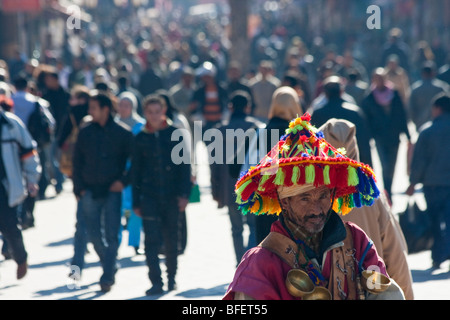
{"x": 101, "y": 152}
{"x": 32, "y": 110}
{"x": 285, "y": 106}
{"x": 263, "y": 85}
{"x": 337, "y": 107}
{"x": 209, "y": 101}
{"x": 377, "y": 220}
{"x": 355, "y": 87}
{"x": 398, "y": 76}
{"x": 430, "y": 167}
{"x": 58, "y": 98}
{"x": 226, "y": 169}
{"x": 422, "y": 93}
{"x": 387, "y": 120}
{"x": 395, "y": 44}
{"x": 235, "y": 81}
{"x": 78, "y": 116}
{"x": 127, "y": 114}
{"x": 183, "y": 91}
{"x": 160, "y": 191}
{"x": 19, "y": 173}
{"x": 150, "y": 81}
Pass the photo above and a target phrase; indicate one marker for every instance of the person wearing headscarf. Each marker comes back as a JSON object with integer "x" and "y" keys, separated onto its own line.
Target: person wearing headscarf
{"x": 127, "y": 113}
{"x": 377, "y": 221}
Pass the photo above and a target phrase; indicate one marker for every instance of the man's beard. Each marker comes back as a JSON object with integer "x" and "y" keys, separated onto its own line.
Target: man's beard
{"x": 311, "y": 223}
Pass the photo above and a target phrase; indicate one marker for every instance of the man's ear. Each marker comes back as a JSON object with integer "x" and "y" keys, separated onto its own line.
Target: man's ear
{"x": 284, "y": 203}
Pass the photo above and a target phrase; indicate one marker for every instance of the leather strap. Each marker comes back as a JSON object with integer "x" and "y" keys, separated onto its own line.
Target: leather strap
{"x": 343, "y": 275}
{"x": 283, "y": 247}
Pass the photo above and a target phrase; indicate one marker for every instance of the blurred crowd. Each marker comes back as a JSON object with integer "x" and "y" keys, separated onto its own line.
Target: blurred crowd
{"x": 189, "y": 65}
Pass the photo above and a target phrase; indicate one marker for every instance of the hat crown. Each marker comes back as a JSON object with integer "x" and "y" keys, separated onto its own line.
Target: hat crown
{"x": 302, "y": 157}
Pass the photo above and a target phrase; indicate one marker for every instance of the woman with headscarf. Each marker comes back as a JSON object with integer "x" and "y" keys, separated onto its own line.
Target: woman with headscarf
{"x": 127, "y": 114}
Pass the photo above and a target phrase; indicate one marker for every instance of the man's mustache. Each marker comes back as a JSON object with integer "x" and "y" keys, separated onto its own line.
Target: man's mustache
{"x": 313, "y": 216}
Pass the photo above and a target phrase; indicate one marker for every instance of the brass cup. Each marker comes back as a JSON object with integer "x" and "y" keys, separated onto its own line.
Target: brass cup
{"x": 298, "y": 283}
{"x": 319, "y": 293}
{"x": 374, "y": 282}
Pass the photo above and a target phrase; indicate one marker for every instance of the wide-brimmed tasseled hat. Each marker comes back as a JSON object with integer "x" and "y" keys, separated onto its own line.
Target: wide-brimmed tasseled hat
{"x": 300, "y": 161}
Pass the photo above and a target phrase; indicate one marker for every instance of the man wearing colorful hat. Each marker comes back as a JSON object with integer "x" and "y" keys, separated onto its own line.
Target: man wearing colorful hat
{"x": 308, "y": 183}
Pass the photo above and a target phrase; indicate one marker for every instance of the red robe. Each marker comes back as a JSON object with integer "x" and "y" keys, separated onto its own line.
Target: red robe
{"x": 262, "y": 274}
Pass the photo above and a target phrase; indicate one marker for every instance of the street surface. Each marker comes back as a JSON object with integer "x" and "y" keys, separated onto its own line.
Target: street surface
{"x": 204, "y": 270}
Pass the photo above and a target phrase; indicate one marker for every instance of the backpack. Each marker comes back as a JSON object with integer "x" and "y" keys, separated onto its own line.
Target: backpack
{"x": 41, "y": 125}
{"x": 66, "y": 154}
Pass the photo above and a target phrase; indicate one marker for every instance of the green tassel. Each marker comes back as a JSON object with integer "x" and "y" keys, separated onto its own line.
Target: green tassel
{"x": 240, "y": 189}
{"x": 279, "y": 178}
{"x": 353, "y": 179}
{"x": 310, "y": 174}
{"x": 295, "y": 175}
{"x": 326, "y": 175}
{"x": 263, "y": 180}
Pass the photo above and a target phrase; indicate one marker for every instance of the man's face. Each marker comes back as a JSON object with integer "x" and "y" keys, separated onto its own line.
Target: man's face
{"x": 154, "y": 114}
{"x": 97, "y": 113}
{"x": 309, "y": 209}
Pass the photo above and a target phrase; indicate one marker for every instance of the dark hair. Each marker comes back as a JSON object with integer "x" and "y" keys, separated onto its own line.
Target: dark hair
{"x": 20, "y": 83}
{"x": 332, "y": 90}
{"x": 171, "y": 108}
{"x": 80, "y": 92}
{"x": 239, "y": 100}
{"x": 102, "y": 98}
{"x": 52, "y": 73}
{"x": 442, "y": 101}
{"x": 153, "y": 98}
{"x": 102, "y": 86}
{"x": 428, "y": 68}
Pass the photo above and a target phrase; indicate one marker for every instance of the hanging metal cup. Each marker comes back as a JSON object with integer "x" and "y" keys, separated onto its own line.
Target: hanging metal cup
{"x": 300, "y": 285}
{"x": 374, "y": 282}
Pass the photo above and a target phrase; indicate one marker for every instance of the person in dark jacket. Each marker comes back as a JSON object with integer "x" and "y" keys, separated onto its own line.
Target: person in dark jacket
{"x": 160, "y": 186}
{"x": 99, "y": 176}
{"x": 430, "y": 166}
{"x": 223, "y": 174}
{"x": 284, "y": 107}
{"x": 387, "y": 119}
{"x": 79, "y": 104}
{"x": 336, "y": 107}
{"x": 58, "y": 99}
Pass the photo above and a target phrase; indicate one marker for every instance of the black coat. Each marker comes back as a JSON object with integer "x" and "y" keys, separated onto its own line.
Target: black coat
{"x": 386, "y": 127}
{"x": 153, "y": 171}
{"x": 100, "y": 157}
{"x": 340, "y": 109}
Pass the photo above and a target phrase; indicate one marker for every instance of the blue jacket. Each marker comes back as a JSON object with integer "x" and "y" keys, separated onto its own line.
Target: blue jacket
{"x": 19, "y": 158}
